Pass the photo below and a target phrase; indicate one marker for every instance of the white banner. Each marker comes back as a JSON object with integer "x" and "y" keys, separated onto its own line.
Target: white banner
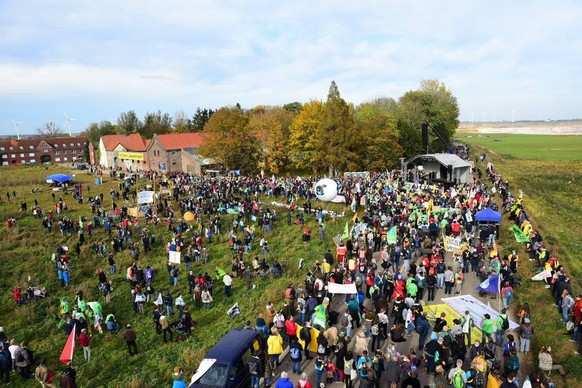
{"x": 145, "y": 197}
{"x": 174, "y": 257}
{"x": 543, "y": 275}
{"x": 335, "y": 288}
{"x": 339, "y": 199}
{"x": 476, "y": 309}
{"x": 452, "y": 244}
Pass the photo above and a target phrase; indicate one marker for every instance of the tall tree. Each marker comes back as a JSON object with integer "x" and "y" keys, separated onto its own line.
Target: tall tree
{"x": 229, "y": 141}
{"x": 155, "y": 123}
{"x": 181, "y": 122}
{"x": 128, "y": 123}
{"x": 49, "y": 129}
{"x": 293, "y": 107}
{"x": 377, "y": 136}
{"x": 338, "y": 133}
{"x": 432, "y": 103}
{"x": 200, "y": 118}
{"x": 95, "y": 130}
{"x": 270, "y": 126}
{"x": 306, "y": 138}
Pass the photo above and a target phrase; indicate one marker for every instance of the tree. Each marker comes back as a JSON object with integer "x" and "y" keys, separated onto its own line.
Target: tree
{"x": 293, "y": 107}
{"x": 128, "y": 123}
{"x": 377, "y": 136}
{"x": 95, "y": 130}
{"x": 305, "y": 138}
{"x": 199, "y": 119}
{"x": 49, "y": 129}
{"x": 228, "y": 140}
{"x": 270, "y": 126}
{"x": 432, "y": 103}
{"x": 155, "y": 123}
{"x": 181, "y": 122}
{"x": 339, "y": 137}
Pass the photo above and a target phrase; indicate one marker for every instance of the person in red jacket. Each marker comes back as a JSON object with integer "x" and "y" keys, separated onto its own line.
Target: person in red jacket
{"x": 291, "y": 328}
{"x": 18, "y": 295}
{"x": 85, "y": 342}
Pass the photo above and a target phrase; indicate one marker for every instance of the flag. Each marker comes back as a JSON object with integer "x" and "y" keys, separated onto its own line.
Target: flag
{"x": 80, "y": 222}
{"x": 518, "y": 234}
{"x": 234, "y": 311}
{"x": 391, "y": 237}
{"x": 69, "y": 349}
{"x": 219, "y": 273}
{"x": 543, "y": 275}
{"x": 346, "y": 233}
{"x": 489, "y": 285}
{"x": 160, "y": 301}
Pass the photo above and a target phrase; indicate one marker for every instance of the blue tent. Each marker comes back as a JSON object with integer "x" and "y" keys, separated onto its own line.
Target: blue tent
{"x": 59, "y": 178}
{"x": 488, "y": 215}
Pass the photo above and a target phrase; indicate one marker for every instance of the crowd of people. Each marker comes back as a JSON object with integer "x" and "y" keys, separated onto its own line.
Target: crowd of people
{"x": 361, "y": 336}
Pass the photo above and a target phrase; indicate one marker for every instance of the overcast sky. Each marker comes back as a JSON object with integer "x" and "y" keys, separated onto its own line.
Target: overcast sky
{"x": 96, "y": 59}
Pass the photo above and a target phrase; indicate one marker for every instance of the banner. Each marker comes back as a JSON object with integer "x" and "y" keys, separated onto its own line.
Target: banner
{"x": 546, "y": 273}
{"x": 491, "y": 284}
{"x": 69, "y": 349}
{"x": 335, "y": 288}
{"x": 476, "y": 309}
{"x": 391, "y": 237}
{"x": 130, "y": 155}
{"x": 434, "y": 311}
{"x": 174, "y": 257}
{"x": 520, "y": 237}
{"x": 145, "y": 197}
{"x": 452, "y": 244}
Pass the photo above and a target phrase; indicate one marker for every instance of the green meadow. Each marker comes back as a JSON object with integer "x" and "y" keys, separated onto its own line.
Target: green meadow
{"x": 532, "y": 147}
{"x": 549, "y": 171}
{"x": 26, "y": 252}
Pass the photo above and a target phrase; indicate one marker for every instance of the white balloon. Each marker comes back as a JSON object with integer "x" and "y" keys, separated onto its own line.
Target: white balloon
{"x": 326, "y": 189}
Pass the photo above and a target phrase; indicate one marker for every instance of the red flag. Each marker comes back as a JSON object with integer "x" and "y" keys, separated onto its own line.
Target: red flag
{"x": 69, "y": 349}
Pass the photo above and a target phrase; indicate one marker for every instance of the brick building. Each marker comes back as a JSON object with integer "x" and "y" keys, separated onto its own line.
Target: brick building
{"x": 177, "y": 152}
{"x": 114, "y": 150}
{"x": 42, "y": 150}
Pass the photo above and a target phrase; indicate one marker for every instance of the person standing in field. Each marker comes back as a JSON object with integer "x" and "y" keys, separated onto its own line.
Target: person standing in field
{"x": 129, "y": 336}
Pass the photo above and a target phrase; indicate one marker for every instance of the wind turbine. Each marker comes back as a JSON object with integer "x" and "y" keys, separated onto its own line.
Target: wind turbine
{"x": 68, "y": 123}
{"x": 17, "y": 128}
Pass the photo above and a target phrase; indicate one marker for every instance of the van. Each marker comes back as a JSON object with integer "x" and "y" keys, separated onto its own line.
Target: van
{"x": 226, "y": 364}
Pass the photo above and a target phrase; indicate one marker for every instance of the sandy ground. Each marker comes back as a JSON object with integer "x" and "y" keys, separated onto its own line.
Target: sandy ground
{"x": 562, "y": 127}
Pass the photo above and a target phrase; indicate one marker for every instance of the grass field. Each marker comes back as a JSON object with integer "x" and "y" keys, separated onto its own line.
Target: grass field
{"x": 26, "y": 251}
{"x": 553, "y": 201}
{"x": 539, "y": 147}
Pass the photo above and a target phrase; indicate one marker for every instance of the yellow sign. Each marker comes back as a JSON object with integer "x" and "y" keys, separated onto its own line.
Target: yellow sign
{"x": 130, "y": 155}
{"x": 434, "y": 311}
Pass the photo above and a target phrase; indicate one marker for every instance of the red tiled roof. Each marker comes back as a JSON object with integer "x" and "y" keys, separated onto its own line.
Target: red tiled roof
{"x": 178, "y": 141}
{"x": 132, "y": 143}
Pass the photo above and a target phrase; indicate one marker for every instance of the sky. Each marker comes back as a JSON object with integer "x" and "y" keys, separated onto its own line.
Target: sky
{"x": 97, "y": 59}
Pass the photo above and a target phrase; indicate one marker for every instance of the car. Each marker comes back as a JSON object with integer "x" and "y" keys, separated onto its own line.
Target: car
{"x": 226, "y": 364}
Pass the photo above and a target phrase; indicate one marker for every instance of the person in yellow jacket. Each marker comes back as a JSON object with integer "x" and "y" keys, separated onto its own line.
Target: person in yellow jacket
{"x": 274, "y": 346}
{"x": 494, "y": 380}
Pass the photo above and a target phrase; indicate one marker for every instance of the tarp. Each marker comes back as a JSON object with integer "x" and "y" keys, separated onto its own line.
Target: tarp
{"x": 488, "y": 215}
{"x": 475, "y": 307}
{"x": 59, "y": 178}
{"x": 335, "y": 288}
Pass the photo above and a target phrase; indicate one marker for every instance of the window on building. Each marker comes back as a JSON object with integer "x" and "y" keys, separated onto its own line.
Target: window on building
{"x": 57, "y": 159}
{"x": 45, "y": 150}
{"x": 31, "y": 154}
{"x": 32, "y": 160}
{"x": 74, "y": 151}
{"x": 1, "y": 148}
{"x": 56, "y": 146}
{"x": 65, "y": 159}
{"x": 20, "y": 147}
{"x": 22, "y": 155}
{"x": 5, "y": 163}
{"x": 57, "y": 152}
{"x": 4, "y": 156}
{"x": 64, "y": 145}
{"x": 78, "y": 144}
{"x": 30, "y": 147}
{"x": 13, "y": 155}
{"x": 72, "y": 144}
{"x": 64, "y": 151}
{"x": 11, "y": 148}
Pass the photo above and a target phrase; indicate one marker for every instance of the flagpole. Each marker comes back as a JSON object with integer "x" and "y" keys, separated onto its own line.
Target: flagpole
{"x": 499, "y": 292}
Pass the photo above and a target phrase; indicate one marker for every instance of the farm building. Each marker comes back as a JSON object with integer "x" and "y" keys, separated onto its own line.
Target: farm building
{"x": 447, "y": 168}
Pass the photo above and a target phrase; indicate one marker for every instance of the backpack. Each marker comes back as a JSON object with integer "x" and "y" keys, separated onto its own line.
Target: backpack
{"x": 505, "y": 323}
{"x": 458, "y": 380}
{"x": 20, "y": 356}
{"x": 253, "y": 367}
{"x": 295, "y": 353}
{"x": 344, "y": 321}
{"x": 509, "y": 294}
{"x": 320, "y": 349}
{"x": 479, "y": 379}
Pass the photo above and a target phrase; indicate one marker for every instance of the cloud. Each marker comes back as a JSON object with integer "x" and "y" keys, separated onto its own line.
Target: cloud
{"x": 106, "y": 57}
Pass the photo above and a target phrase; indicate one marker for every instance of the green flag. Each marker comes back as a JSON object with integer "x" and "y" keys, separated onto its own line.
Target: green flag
{"x": 391, "y": 237}
{"x": 80, "y": 222}
{"x": 518, "y": 234}
{"x": 219, "y": 273}
{"x": 346, "y": 233}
